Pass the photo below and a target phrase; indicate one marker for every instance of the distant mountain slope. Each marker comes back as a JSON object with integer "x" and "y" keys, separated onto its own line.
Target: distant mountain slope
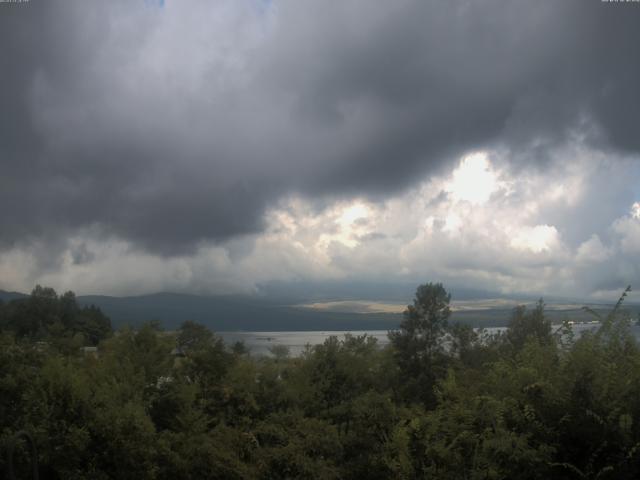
{"x": 251, "y": 313}
{"x": 228, "y": 313}
{"x": 235, "y": 312}
{"x": 8, "y": 296}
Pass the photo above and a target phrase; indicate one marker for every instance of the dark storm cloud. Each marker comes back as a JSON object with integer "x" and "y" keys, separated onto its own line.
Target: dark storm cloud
{"x": 167, "y": 128}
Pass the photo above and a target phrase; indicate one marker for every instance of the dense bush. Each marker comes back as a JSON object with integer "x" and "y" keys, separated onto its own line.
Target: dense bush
{"x": 441, "y": 401}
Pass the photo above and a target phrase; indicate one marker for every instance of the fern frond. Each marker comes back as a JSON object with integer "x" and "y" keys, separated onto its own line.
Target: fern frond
{"x": 591, "y": 311}
{"x": 569, "y": 466}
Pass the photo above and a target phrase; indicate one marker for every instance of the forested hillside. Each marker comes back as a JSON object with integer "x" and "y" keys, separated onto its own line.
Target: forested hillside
{"x": 441, "y": 401}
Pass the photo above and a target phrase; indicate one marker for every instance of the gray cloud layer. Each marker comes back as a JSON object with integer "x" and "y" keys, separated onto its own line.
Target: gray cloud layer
{"x": 169, "y": 127}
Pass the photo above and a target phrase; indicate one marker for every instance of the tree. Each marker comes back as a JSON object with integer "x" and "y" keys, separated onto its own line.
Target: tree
{"x": 194, "y": 336}
{"x": 418, "y": 343}
{"x": 93, "y": 324}
{"x": 525, "y": 325}
{"x": 68, "y": 309}
{"x": 32, "y": 316}
{"x": 46, "y": 316}
{"x": 280, "y": 352}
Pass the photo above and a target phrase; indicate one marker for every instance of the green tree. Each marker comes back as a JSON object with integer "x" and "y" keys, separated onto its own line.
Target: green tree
{"x": 418, "y": 343}
{"x": 46, "y": 316}
{"x": 93, "y": 324}
{"x": 525, "y": 325}
{"x": 194, "y": 336}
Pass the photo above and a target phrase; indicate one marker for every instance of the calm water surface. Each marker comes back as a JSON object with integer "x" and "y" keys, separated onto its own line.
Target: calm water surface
{"x": 259, "y": 343}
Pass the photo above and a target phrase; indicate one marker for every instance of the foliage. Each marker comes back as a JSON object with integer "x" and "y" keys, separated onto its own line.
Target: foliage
{"x": 528, "y": 324}
{"x": 46, "y": 316}
{"x": 440, "y": 401}
{"x": 418, "y": 345}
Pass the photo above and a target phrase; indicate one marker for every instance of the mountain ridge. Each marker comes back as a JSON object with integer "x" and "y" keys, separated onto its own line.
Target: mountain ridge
{"x": 264, "y": 313}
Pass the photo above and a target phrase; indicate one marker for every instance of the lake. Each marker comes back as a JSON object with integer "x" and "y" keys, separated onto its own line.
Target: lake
{"x": 259, "y": 343}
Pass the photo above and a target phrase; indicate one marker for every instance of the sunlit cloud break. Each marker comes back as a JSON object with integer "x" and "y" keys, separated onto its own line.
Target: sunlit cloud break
{"x": 467, "y": 232}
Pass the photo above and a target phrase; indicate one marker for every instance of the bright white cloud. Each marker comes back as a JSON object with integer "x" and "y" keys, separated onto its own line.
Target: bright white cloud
{"x": 474, "y": 180}
{"x": 593, "y": 251}
{"x": 537, "y": 239}
{"x": 627, "y": 229}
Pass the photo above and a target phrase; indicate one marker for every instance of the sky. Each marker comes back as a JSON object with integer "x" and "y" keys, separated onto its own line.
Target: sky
{"x": 217, "y": 147}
